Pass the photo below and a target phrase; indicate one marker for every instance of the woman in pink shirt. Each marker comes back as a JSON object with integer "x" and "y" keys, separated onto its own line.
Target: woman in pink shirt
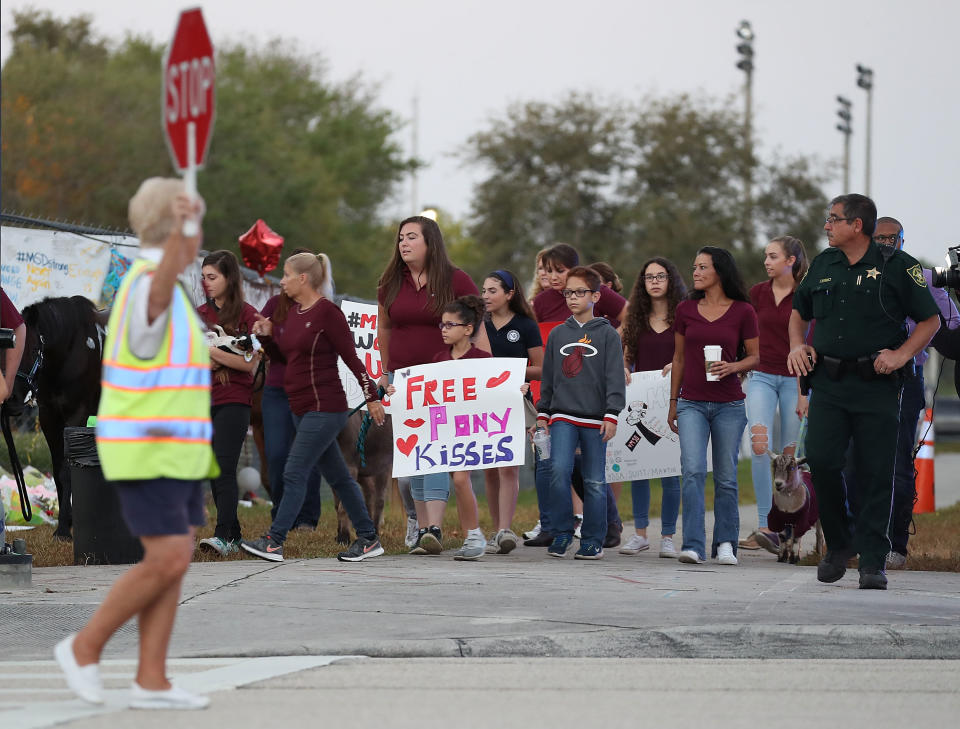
{"x": 771, "y": 387}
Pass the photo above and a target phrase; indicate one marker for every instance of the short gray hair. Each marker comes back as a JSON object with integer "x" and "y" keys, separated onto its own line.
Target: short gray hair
{"x": 151, "y": 209}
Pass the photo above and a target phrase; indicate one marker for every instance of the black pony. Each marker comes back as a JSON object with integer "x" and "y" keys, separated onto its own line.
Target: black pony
{"x": 61, "y": 366}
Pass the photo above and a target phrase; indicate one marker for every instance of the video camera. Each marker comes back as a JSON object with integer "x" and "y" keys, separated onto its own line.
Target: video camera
{"x": 8, "y": 338}
{"x": 948, "y": 276}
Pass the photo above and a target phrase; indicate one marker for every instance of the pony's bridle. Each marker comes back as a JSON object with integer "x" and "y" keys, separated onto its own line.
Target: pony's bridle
{"x": 31, "y": 377}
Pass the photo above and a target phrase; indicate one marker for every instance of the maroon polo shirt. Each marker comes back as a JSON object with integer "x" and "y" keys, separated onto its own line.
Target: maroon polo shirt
{"x": 738, "y": 324}
{"x": 414, "y": 331}
{"x": 654, "y": 351}
{"x": 549, "y": 305}
{"x": 309, "y": 343}
{"x": 773, "y": 321}
{"x": 444, "y": 355}
{"x": 239, "y": 386}
{"x": 9, "y": 316}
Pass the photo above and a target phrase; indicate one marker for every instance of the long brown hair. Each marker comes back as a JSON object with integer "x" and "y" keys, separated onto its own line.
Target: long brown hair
{"x": 794, "y": 247}
{"x": 229, "y": 315}
{"x": 437, "y": 265}
{"x": 509, "y": 282}
{"x": 536, "y": 288}
{"x": 640, "y": 305}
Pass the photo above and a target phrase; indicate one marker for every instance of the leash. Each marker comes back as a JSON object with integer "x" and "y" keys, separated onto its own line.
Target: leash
{"x": 25, "y": 508}
{"x": 364, "y": 428}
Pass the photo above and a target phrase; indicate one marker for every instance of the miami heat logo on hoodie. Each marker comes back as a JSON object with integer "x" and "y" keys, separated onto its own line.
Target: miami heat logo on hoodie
{"x": 572, "y": 363}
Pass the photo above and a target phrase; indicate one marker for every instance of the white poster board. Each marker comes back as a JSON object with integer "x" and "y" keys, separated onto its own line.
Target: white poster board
{"x": 644, "y": 446}
{"x": 461, "y": 415}
{"x": 35, "y": 264}
{"x": 362, "y": 320}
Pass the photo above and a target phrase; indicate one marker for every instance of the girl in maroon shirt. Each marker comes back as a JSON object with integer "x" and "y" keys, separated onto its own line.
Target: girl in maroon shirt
{"x": 771, "y": 387}
{"x": 413, "y": 291}
{"x": 314, "y": 334}
{"x": 230, "y": 393}
{"x": 718, "y": 313}
{"x": 648, "y": 344}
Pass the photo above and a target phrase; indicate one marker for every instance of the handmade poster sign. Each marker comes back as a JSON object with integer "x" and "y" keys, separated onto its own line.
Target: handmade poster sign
{"x": 362, "y": 320}
{"x": 644, "y": 446}
{"x": 464, "y": 415}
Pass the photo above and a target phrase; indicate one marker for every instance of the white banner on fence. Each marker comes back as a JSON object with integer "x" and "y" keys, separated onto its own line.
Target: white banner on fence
{"x": 35, "y": 264}
{"x": 462, "y": 415}
{"x": 362, "y": 320}
{"x": 644, "y": 446}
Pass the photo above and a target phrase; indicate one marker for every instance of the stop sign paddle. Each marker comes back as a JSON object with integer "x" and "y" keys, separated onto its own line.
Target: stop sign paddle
{"x": 188, "y": 99}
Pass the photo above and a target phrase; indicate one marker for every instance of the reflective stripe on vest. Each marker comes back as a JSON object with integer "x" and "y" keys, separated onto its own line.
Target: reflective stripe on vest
{"x": 154, "y": 417}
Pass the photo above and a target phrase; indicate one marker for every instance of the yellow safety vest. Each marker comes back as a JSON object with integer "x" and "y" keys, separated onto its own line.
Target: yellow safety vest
{"x": 154, "y": 416}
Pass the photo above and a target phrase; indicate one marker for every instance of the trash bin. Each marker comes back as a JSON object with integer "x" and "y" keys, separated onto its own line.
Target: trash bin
{"x": 100, "y": 535}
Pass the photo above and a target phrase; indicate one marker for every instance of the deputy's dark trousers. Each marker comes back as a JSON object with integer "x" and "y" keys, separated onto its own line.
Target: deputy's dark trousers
{"x": 865, "y": 414}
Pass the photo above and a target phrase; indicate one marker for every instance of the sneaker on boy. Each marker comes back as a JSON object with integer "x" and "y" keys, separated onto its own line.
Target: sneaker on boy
{"x": 361, "y": 549}
{"x": 589, "y": 551}
{"x": 264, "y": 548}
{"x": 561, "y": 543}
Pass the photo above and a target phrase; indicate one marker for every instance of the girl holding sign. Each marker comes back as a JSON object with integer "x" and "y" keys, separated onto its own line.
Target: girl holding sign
{"x": 314, "y": 334}
{"x": 413, "y": 291}
{"x": 648, "y": 344}
{"x": 706, "y": 400}
{"x": 512, "y": 332}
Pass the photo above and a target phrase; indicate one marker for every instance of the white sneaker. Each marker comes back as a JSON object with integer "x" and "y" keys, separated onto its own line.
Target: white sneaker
{"x": 473, "y": 549}
{"x": 506, "y": 541}
{"x": 578, "y": 521}
{"x": 84, "y": 681}
{"x": 173, "y": 698}
{"x": 688, "y": 556}
{"x": 725, "y": 554}
{"x": 533, "y": 533}
{"x": 635, "y": 545}
{"x": 667, "y": 549}
{"x": 413, "y": 528}
{"x": 492, "y": 546}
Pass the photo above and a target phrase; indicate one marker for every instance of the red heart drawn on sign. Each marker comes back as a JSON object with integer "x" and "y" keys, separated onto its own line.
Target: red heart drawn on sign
{"x": 414, "y": 423}
{"x": 499, "y": 380}
{"x": 406, "y": 446}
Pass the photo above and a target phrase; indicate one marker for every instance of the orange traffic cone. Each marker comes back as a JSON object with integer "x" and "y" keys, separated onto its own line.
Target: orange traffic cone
{"x": 924, "y": 467}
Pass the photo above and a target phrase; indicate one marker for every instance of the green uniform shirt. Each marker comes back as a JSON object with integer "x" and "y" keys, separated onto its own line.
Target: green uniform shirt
{"x": 861, "y": 308}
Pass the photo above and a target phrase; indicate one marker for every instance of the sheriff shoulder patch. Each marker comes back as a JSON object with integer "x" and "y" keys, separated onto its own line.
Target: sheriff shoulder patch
{"x": 916, "y": 273}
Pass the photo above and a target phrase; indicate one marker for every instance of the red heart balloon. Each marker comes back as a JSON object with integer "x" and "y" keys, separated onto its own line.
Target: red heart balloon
{"x": 260, "y": 248}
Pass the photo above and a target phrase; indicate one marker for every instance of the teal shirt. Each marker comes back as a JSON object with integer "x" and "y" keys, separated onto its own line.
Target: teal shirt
{"x": 862, "y": 308}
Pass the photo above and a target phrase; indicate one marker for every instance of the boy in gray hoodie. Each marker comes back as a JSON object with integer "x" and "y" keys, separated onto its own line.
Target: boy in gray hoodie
{"x": 582, "y": 391}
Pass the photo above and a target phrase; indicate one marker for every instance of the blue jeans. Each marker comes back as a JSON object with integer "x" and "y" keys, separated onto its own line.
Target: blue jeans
{"x": 698, "y": 421}
{"x": 669, "y": 508}
{"x": 279, "y": 431}
{"x": 564, "y": 439}
{"x": 316, "y": 445}
{"x": 543, "y": 474}
{"x": 764, "y": 393}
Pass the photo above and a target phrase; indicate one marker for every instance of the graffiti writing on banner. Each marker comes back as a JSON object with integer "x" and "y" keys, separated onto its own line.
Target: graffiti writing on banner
{"x": 461, "y": 415}
{"x": 362, "y": 320}
{"x": 644, "y": 446}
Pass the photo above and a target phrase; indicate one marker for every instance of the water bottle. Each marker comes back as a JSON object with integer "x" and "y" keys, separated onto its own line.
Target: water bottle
{"x": 541, "y": 441}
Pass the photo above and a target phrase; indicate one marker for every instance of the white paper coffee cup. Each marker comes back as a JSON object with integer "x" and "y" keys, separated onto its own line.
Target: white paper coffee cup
{"x": 712, "y": 353}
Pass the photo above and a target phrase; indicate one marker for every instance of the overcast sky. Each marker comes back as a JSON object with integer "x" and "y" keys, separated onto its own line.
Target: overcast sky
{"x": 467, "y": 60}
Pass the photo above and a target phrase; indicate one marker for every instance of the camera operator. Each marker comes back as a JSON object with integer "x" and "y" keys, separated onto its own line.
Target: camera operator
{"x": 947, "y": 340}
{"x": 10, "y": 319}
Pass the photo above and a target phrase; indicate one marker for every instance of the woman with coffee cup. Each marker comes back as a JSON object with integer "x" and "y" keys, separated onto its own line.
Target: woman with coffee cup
{"x": 716, "y": 339}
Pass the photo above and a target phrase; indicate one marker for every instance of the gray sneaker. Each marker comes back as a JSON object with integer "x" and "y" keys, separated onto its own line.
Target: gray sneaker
{"x": 492, "y": 546}
{"x": 507, "y": 541}
{"x": 472, "y": 549}
{"x": 218, "y": 545}
{"x": 413, "y": 529}
{"x": 896, "y": 561}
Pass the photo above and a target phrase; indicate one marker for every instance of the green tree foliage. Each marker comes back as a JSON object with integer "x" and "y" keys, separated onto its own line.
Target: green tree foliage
{"x": 624, "y": 182}
{"x": 314, "y": 158}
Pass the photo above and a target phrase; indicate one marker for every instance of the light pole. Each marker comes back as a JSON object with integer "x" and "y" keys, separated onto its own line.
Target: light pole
{"x": 415, "y": 144}
{"x": 865, "y": 82}
{"x": 745, "y": 64}
{"x": 846, "y": 129}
